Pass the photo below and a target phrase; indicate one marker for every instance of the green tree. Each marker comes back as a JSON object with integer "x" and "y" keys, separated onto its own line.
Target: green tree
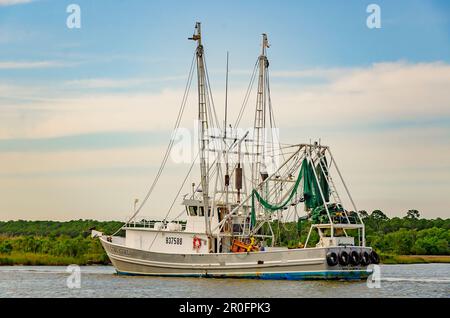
{"x": 400, "y": 242}
{"x": 413, "y": 214}
{"x": 363, "y": 214}
{"x": 433, "y": 241}
{"x": 378, "y": 215}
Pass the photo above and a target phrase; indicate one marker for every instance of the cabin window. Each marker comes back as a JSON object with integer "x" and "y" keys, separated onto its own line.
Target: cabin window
{"x": 192, "y": 210}
{"x": 202, "y": 211}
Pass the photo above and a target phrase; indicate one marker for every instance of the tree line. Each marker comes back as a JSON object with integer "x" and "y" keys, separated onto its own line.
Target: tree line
{"x": 408, "y": 235}
{"x": 55, "y": 242}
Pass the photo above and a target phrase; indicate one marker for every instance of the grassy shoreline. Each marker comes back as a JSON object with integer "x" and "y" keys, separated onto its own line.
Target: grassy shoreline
{"x": 39, "y": 259}
{"x": 414, "y": 259}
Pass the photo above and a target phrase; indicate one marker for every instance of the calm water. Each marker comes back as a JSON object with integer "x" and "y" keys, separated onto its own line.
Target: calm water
{"x": 424, "y": 280}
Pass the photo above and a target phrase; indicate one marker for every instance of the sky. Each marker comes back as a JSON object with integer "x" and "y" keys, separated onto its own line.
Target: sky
{"x": 86, "y": 113}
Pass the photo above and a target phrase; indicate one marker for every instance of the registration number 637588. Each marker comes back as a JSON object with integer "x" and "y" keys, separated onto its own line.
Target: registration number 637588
{"x": 174, "y": 240}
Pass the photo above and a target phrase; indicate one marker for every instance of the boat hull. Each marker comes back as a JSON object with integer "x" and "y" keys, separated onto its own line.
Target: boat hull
{"x": 292, "y": 264}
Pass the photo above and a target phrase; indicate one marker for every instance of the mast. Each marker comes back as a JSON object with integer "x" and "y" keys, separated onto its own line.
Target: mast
{"x": 202, "y": 122}
{"x": 260, "y": 116}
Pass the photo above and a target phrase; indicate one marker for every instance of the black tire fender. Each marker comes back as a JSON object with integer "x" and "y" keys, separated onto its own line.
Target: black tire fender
{"x": 365, "y": 258}
{"x": 343, "y": 258}
{"x": 354, "y": 258}
{"x": 332, "y": 259}
{"x": 374, "y": 257}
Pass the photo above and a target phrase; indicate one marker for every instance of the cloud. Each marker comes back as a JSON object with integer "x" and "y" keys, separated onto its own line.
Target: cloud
{"x": 86, "y": 114}
{"x": 383, "y": 92}
{"x": 93, "y": 83}
{"x": 387, "y": 125}
{"x": 105, "y": 83}
{"x": 14, "y": 65}
{"x": 13, "y": 2}
{"x": 100, "y": 184}
{"x": 330, "y": 73}
{"x": 44, "y": 164}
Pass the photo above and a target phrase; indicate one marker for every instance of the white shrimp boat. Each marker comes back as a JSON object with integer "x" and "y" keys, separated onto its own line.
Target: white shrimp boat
{"x": 245, "y": 199}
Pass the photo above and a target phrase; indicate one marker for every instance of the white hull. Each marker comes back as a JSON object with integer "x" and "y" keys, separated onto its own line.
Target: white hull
{"x": 304, "y": 263}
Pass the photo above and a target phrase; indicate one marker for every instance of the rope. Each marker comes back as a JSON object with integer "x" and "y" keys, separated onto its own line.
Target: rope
{"x": 247, "y": 95}
{"x": 175, "y": 199}
{"x": 210, "y": 98}
{"x": 181, "y": 188}
{"x": 169, "y": 146}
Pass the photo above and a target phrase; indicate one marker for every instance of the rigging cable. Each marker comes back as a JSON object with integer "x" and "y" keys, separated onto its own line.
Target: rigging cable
{"x": 169, "y": 146}
{"x": 272, "y": 114}
{"x": 247, "y": 95}
{"x": 175, "y": 198}
{"x": 181, "y": 188}
{"x": 210, "y": 98}
{"x": 213, "y": 117}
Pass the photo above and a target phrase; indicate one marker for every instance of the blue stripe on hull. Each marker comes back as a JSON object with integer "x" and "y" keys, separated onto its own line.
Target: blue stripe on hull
{"x": 319, "y": 275}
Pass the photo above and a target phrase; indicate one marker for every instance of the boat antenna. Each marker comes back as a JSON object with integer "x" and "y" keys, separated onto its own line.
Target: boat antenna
{"x": 227, "y": 172}
{"x": 226, "y": 99}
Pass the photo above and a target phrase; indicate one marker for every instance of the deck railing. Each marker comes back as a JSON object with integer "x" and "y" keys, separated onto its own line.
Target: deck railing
{"x": 151, "y": 224}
